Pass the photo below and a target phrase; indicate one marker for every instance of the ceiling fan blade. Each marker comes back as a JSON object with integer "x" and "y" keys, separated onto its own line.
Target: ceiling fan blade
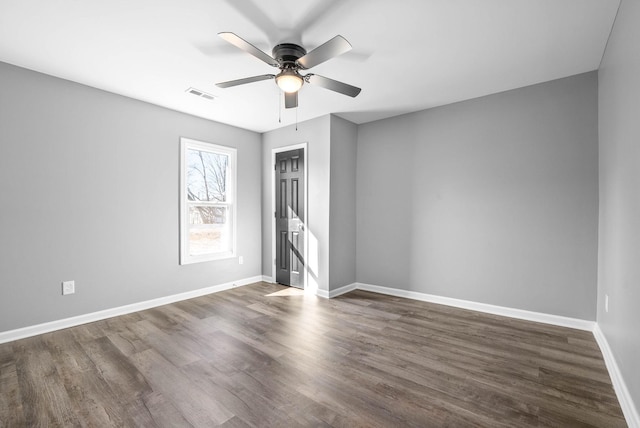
{"x": 317, "y": 14}
{"x": 249, "y": 10}
{"x": 333, "y": 85}
{"x": 290, "y": 99}
{"x": 334, "y": 47}
{"x": 249, "y": 48}
{"x": 237, "y": 82}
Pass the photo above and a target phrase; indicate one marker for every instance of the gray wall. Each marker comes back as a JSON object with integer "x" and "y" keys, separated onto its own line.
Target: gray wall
{"x": 316, "y": 133}
{"x": 493, "y": 200}
{"x": 89, "y": 192}
{"x": 619, "y": 243}
{"x": 384, "y": 208}
{"x": 342, "y": 221}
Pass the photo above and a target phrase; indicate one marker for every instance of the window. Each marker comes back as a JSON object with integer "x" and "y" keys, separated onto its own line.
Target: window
{"x": 207, "y": 201}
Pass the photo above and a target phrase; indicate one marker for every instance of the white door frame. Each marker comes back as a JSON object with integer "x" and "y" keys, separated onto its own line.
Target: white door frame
{"x": 302, "y": 146}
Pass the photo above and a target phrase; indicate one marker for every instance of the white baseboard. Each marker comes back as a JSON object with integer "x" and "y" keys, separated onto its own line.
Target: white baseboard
{"x": 268, "y": 279}
{"x": 342, "y": 290}
{"x": 483, "y": 307}
{"x": 624, "y": 397}
{"x": 21, "y": 333}
{"x": 321, "y": 293}
{"x": 335, "y": 293}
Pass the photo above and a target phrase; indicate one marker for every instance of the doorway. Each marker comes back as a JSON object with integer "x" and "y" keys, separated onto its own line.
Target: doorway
{"x": 290, "y": 216}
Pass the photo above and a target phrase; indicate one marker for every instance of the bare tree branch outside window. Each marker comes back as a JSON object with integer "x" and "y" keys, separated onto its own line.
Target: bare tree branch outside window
{"x": 207, "y": 182}
{"x": 207, "y": 201}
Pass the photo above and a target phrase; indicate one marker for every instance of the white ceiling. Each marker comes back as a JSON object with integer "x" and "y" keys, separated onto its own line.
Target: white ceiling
{"x": 407, "y": 55}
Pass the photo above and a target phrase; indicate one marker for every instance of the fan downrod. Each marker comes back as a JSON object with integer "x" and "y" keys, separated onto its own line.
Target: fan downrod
{"x": 288, "y": 53}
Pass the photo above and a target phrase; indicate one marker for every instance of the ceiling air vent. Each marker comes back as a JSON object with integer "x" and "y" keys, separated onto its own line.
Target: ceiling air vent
{"x": 201, "y": 94}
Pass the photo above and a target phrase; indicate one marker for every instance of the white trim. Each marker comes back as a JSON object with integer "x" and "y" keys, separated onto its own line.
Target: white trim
{"x": 322, "y": 293}
{"x": 268, "y": 279}
{"x": 483, "y": 307}
{"x": 232, "y": 194}
{"x": 274, "y": 151}
{"x": 21, "y": 333}
{"x": 624, "y": 397}
{"x": 338, "y": 291}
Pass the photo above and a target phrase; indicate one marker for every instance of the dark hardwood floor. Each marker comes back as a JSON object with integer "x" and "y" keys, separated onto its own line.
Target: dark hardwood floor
{"x": 263, "y": 355}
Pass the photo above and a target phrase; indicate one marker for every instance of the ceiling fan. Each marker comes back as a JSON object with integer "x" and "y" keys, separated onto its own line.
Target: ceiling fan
{"x": 290, "y": 59}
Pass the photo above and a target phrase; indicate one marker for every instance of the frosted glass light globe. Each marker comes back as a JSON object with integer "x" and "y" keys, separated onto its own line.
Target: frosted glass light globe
{"x": 289, "y": 81}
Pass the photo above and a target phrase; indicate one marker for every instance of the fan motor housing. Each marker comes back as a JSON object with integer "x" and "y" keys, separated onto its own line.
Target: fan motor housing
{"x": 288, "y": 52}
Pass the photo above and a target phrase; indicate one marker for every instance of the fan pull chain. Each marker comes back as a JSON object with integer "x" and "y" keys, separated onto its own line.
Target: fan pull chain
{"x": 296, "y": 118}
{"x": 280, "y": 107}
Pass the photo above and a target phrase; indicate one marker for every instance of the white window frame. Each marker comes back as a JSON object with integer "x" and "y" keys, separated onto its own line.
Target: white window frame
{"x": 231, "y": 202}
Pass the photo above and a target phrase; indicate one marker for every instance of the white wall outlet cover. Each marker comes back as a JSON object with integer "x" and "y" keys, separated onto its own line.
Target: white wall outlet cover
{"x": 68, "y": 287}
{"x": 240, "y": 260}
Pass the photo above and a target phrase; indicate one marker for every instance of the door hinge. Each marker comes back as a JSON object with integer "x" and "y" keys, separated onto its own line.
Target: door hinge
{"x": 275, "y": 166}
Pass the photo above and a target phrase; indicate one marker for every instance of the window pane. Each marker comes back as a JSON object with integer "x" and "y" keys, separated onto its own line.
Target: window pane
{"x": 206, "y": 176}
{"x": 207, "y": 215}
{"x": 209, "y": 230}
{"x": 207, "y": 196}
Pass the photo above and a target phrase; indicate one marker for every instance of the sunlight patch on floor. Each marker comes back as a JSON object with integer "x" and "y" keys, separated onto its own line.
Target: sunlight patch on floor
{"x": 291, "y": 291}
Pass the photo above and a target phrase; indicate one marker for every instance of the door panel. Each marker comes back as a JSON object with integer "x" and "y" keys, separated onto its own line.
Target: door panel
{"x": 294, "y": 196}
{"x": 290, "y": 217}
{"x": 295, "y": 244}
{"x": 283, "y": 199}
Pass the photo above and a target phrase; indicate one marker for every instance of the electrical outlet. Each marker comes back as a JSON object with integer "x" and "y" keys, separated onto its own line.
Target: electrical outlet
{"x": 240, "y": 260}
{"x": 68, "y": 287}
{"x": 606, "y": 303}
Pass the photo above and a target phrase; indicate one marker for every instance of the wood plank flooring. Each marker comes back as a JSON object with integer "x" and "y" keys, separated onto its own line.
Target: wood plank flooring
{"x": 264, "y": 355}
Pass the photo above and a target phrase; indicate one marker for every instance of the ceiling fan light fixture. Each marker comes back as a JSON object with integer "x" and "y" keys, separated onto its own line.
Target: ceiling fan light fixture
{"x": 289, "y": 81}
{"x": 290, "y": 58}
